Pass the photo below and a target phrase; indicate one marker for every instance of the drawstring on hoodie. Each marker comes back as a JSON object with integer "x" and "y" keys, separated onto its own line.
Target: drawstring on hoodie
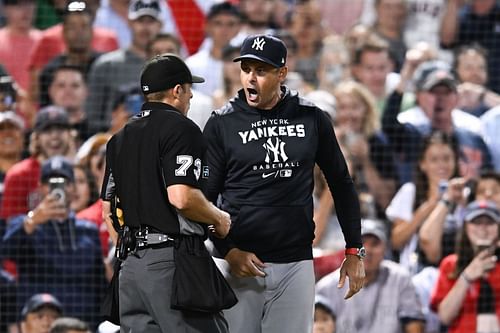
{"x": 59, "y": 237}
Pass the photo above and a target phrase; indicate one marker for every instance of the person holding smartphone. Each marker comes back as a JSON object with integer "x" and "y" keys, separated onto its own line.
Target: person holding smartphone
{"x": 467, "y": 293}
{"x": 54, "y": 251}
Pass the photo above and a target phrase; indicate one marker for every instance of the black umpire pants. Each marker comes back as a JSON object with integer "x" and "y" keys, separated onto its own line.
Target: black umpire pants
{"x": 145, "y": 291}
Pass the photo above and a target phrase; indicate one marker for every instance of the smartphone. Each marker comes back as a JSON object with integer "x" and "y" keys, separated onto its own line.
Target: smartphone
{"x": 57, "y": 187}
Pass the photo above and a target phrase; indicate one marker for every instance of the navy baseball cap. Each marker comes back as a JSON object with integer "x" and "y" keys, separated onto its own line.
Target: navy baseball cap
{"x": 57, "y": 166}
{"x": 164, "y": 72}
{"x": 265, "y": 48}
{"x": 479, "y": 208}
{"x": 51, "y": 116}
{"x": 38, "y": 301}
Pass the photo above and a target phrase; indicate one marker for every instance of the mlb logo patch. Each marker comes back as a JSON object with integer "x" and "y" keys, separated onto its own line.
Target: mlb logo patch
{"x": 285, "y": 173}
{"x": 206, "y": 172}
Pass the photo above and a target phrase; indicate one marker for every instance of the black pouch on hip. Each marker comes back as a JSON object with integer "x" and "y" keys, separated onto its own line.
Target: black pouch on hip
{"x": 110, "y": 306}
{"x": 198, "y": 285}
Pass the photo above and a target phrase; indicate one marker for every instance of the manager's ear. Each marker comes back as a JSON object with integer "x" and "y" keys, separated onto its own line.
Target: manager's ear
{"x": 282, "y": 73}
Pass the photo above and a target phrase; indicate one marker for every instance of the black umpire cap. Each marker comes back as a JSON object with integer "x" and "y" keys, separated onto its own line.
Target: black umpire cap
{"x": 164, "y": 72}
{"x": 265, "y": 48}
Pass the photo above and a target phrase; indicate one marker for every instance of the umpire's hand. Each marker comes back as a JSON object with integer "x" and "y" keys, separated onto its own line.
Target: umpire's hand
{"x": 244, "y": 264}
{"x": 221, "y": 228}
{"x": 353, "y": 268}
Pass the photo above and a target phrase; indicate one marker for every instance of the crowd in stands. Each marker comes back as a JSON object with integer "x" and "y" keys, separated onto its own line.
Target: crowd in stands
{"x": 412, "y": 88}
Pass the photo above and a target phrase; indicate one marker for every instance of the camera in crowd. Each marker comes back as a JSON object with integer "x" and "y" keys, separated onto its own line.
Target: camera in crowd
{"x": 57, "y": 186}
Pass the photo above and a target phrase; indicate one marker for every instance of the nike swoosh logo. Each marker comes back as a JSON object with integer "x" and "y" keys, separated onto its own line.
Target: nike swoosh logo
{"x": 266, "y": 175}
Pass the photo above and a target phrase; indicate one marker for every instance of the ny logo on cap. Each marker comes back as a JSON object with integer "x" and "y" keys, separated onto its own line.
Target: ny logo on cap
{"x": 145, "y": 88}
{"x": 258, "y": 44}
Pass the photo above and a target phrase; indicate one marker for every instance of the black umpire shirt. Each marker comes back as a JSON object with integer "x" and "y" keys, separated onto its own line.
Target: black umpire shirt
{"x": 157, "y": 148}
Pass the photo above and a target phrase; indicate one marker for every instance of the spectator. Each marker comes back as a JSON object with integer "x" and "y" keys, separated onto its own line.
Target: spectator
{"x": 467, "y": 291}
{"x": 39, "y": 312}
{"x": 68, "y": 90}
{"x": 357, "y": 127}
{"x": 231, "y": 83}
{"x": 8, "y": 93}
{"x": 223, "y": 23}
{"x": 423, "y": 21}
{"x": 77, "y": 35}
{"x": 69, "y": 325}
{"x": 491, "y": 127}
{"x": 414, "y": 202}
{"x": 471, "y": 67}
{"x": 305, "y": 27}
{"x": 257, "y": 16}
{"x": 11, "y": 143}
{"x": 389, "y": 302}
{"x": 389, "y": 24}
{"x": 324, "y": 319}
{"x": 51, "y": 136}
{"x": 117, "y": 70}
{"x": 18, "y": 37}
{"x": 346, "y": 14}
{"x": 372, "y": 66}
{"x": 91, "y": 156}
{"x": 164, "y": 43}
{"x": 334, "y": 63}
{"x": 113, "y": 15}
{"x": 55, "y": 252}
{"x": 438, "y": 102}
{"x": 127, "y": 104}
{"x": 201, "y": 105}
{"x": 437, "y": 232}
{"x": 486, "y": 187}
{"x": 419, "y": 115}
{"x": 8, "y": 311}
{"x": 474, "y": 21}
{"x": 85, "y": 189}
{"x": 52, "y": 43}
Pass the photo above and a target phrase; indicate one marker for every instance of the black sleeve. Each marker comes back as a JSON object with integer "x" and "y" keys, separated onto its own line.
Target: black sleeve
{"x": 215, "y": 160}
{"x": 181, "y": 155}
{"x": 108, "y": 188}
{"x": 330, "y": 159}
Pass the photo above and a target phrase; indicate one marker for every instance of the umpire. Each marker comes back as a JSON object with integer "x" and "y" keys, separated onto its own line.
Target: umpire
{"x": 153, "y": 169}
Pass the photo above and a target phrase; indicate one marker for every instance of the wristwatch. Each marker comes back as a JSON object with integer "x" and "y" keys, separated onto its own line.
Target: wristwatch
{"x": 359, "y": 252}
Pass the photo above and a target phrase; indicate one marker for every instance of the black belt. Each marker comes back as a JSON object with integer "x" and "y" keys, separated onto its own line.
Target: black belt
{"x": 146, "y": 237}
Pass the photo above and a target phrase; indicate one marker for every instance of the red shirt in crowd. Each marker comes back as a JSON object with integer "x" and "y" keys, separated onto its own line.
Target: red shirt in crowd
{"x": 52, "y": 44}
{"x": 20, "y": 191}
{"x": 93, "y": 213}
{"x": 11, "y": 46}
{"x": 465, "y": 322}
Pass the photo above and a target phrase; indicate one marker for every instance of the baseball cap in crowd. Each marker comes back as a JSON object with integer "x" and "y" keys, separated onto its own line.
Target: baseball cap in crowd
{"x": 225, "y": 7}
{"x": 57, "y": 166}
{"x": 324, "y": 303}
{"x": 479, "y": 208}
{"x": 9, "y": 117}
{"x": 440, "y": 77}
{"x": 140, "y": 8}
{"x": 265, "y": 48}
{"x": 51, "y": 116}
{"x": 424, "y": 69}
{"x": 38, "y": 301}
{"x": 375, "y": 228}
{"x": 164, "y": 72}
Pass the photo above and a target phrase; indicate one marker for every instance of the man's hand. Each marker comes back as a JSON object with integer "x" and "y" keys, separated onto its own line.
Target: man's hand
{"x": 353, "y": 268}
{"x": 244, "y": 264}
{"x": 221, "y": 229}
